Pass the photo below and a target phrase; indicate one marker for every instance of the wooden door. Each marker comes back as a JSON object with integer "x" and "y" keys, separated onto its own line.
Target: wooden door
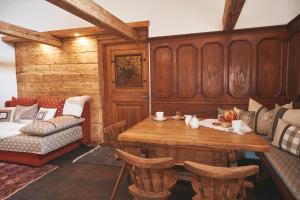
{"x": 126, "y": 89}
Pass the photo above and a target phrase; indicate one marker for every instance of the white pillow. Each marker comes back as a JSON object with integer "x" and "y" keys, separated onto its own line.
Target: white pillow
{"x": 74, "y": 105}
{"x": 7, "y": 114}
{"x": 45, "y": 113}
{"x": 254, "y": 105}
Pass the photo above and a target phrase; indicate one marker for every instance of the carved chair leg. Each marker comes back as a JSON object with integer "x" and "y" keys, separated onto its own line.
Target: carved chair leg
{"x": 117, "y": 184}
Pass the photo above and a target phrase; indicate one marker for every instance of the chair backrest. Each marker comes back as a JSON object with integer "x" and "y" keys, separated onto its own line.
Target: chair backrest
{"x": 214, "y": 183}
{"x": 111, "y": 133}
{"x": 150, "y": 175}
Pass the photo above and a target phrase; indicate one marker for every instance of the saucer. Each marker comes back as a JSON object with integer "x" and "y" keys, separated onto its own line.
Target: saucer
{"x": 159, "y": 120}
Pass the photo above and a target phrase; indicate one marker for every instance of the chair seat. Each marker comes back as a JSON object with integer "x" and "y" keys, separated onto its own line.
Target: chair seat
{"x": 143, "y": 195}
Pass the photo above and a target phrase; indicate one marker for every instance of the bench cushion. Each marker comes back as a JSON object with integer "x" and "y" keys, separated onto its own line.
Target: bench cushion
{"x": 287, "y": 166}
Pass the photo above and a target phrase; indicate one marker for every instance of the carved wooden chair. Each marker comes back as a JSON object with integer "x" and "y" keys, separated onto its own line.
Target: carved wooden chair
{"x": 152, "y": 177}
{"x": 220, "y": 183}
{"x": 111, "y": 134}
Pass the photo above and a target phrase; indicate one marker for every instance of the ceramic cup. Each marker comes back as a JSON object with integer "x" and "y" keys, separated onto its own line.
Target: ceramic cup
{"x": 187, "y": 119}
{"x": 236, "y": 125}
{"x": 159, "y": 115}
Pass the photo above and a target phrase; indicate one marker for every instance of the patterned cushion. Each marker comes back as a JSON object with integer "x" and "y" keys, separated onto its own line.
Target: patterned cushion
{"x": 52, "y": 103}
{"x": 43, "y": 128}
{"x": 7, "y": 114}
{"x": 247, "y": 117}
{"x": 25, "y": 112}
{"x": 287, "y": 137}
{"x": 22, "y": 101}
{"x": 287, "y": 167}
{"x": 262, "y": 119}
{"x": 291, "y": 116}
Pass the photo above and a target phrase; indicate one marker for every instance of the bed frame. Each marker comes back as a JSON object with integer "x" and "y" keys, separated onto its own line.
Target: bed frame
{"x": 38, "y": 159}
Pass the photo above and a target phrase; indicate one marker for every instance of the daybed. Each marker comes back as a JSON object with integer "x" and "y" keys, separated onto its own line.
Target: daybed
{"x": 36, "y": 151}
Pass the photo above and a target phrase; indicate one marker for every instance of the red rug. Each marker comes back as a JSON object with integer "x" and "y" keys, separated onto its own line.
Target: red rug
{"x": 14, "y": 177}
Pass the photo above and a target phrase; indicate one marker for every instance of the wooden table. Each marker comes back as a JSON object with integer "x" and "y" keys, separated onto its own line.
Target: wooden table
{"x": 173, "y": 138}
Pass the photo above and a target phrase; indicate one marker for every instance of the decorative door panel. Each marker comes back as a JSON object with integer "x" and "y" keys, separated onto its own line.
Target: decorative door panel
{"x": 212, "y": 70}
{"x": 132, "y": 113}
{"x": 240, "y": 68}
{"x": 269, "y": 68}
{"x": 126, "y": 85}
{"x": 162, "y": 73}
{"x": 187, "y": 71}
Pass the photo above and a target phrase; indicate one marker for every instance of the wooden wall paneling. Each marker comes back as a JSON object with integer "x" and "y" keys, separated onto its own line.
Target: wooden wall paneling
{"x": 187, "y": 70}
{"x": 212, "y": 70}
{"x": 269, "y": 67}
{"x": 240, "y": 68}
{"x": 293, "y": 81}
{"x": 162, "y": 72}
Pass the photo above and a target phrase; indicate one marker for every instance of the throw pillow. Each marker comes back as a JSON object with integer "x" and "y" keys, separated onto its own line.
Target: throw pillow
{"x": 22, "y": 101}
{"x": 52, "y": 103}
{"x": 25, "y": 112}
{"x": 291, "y": 116}
{"x": 247, "y": 117}
{"x": 7, "y": 114}
{"x": 254, "y": 105}
{"x": 43, "y": 128}
{"x": 45, "y": 114}
{"x": 287, "y": 137}
{"x": 263, "y": 117}
{"x": 74, "y": 105}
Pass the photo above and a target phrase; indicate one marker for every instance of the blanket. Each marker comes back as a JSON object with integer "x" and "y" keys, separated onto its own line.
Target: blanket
{"x": 9, "y": 129}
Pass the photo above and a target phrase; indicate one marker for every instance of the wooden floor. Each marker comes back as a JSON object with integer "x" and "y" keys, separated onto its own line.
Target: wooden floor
{"x": 94, "y": 182}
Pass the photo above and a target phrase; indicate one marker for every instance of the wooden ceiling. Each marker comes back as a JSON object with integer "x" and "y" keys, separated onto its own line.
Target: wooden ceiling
{"x": 104, "y": 21}
{"x": 24, "y": 33}
{"x": 231, "y": 14}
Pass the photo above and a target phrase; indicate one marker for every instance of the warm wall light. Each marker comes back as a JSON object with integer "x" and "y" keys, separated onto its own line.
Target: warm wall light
{"x": 83, "y": 41}
{"x": 76, "y": 34}
{"x": 46, "y": 48}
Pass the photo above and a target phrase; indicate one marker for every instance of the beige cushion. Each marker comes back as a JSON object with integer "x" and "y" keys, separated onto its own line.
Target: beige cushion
{"x": 292, "y": 116}
{"x": 287, "y": 137}
{"x": 254, "y": 105}
{"x": 43, "y": 128}
{"x": 25, "y": 112}
{"x": 263, "y": 117}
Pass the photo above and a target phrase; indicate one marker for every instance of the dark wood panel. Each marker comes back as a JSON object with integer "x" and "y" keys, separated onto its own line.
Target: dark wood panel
{"x": 240, "y": 68}
{"x": 187, "y": 71}
{"x": 132, "y": 113}
{"x": 293, "y": 83}
{"x": 226, "y": 73}
{"x": 212, "y": 69}
{"x": 163, "y": 72}
{"x": 269, "y": 68}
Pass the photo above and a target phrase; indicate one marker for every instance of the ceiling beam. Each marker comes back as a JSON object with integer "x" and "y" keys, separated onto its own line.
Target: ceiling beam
{"x": 24, "y": 33}
{"x": 231, "y": 14}
{"x": 95, "y": 14}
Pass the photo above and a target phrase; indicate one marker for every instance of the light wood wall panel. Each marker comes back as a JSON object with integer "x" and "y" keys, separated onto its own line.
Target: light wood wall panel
{"x": 61, "y": 72}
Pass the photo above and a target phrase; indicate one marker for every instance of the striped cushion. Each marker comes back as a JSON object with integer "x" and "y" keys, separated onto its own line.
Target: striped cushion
{"x": 291, "y": 116}
{"x": 287, "y": 137}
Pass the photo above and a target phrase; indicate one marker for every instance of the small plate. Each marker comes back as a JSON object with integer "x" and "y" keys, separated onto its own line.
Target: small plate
{"x": 177, "y": 117}
{"x": 159, "y": 120}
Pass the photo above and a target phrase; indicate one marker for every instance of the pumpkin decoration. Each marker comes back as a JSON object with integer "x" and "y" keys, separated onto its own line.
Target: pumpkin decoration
{"x": 228, "y": 116}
